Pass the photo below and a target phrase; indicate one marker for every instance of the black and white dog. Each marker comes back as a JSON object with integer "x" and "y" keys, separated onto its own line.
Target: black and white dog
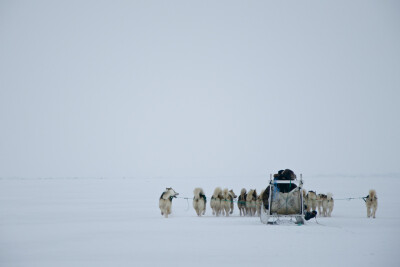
{"x": 165, "y": 202}
{"x": 199, "y": 201}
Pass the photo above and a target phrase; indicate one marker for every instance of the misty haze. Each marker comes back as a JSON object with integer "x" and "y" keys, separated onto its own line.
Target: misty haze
{"x": 104, "y": 104}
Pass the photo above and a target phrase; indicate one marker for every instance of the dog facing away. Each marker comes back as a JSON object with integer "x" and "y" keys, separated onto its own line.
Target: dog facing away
{"x": 242, "y": 202}
{"x": 320, "y": 200}
{"x": 251, "y": 202}
{"x": 371, "y": 201}
{"x": 259, "y": 202}
{"x": 225, "y": 202}
{"x": 232, "y": 197}
{"x": 311, "y": 200}
{"x": 165, "y": 202}
{"x": 215, "y": 202}
{"x": 327, "y": 205}
{"x": 199, "y": 201}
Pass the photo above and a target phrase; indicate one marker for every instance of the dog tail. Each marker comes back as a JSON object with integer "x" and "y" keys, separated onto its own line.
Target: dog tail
{"x": 225, "y": 193}
{"x": 198, "y": 191}
{"x": 217, "y": 192}
{"x": 243, "y": 191}
{"x": 250, "y": 195}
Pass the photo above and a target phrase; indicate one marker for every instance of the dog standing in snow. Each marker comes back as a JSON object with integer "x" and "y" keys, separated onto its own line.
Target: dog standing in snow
{"x": 199, "y": 201}
{"x": 242, "y": 202}
{"x": 327, "y": 205}
{"x": 311, "y": 200}
{"x": 165, "y": 202}
{"x": 320, "y": 199}
{"x": 232, "y": 197}
{"x": 225, "y": 202}
{"x": 371, "y": 201}
{"x": 259, "y": 202}
{"x": 251, "y": 199}
{"x": 215, "y": 202}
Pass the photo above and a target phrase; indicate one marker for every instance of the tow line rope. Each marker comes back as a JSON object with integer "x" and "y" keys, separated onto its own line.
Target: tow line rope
{"x": 350, "y": 198}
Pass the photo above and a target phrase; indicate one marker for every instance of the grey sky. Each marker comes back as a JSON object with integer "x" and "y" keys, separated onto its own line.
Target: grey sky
{"x": 160, "y": 88}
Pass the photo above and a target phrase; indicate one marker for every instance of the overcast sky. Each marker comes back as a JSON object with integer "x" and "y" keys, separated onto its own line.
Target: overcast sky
{"x": 199, "y": 88}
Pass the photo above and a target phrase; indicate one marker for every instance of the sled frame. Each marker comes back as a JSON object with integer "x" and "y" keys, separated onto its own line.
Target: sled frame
{"x": 267, "y": 217}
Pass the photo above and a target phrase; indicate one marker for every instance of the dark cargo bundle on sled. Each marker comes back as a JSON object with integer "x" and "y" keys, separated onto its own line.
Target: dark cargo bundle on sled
{"x": 285, "y": 175}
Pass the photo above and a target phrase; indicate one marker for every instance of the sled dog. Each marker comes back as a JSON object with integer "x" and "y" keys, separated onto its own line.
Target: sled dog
{"x": 215, "y": 202}
{"x": 320, "y": 200}
{"x": 165, "y": 202}
{"x": 232, "y": 197}
{"x": 311, "y": 199}
{"x": 242, "y": 202}
{"x": 225, "y": 202}
{"x": 259, "y": 202}
{"x": 327, "y": 205}
{"x": 199, "y": 201}
{"x": 251, "y": 202}
{"x": 371, "y": 201}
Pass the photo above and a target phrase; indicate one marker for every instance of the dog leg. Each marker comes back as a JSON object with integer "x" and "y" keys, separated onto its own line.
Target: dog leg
{"x": 368, "y": 212}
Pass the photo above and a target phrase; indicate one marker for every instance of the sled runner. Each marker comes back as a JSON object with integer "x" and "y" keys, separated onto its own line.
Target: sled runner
{"x": 283, "y": 202}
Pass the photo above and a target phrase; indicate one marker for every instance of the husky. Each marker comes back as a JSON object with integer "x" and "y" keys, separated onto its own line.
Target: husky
{"x": 259, "y": 202}
{"x": 165, "y": 202}
{"x": 225, "y": 202}
{"x": 251, "y": 202}
{"x": 327, "y": 205}
{"x": 320, "y": 200}
{"x": 311, "y": 199}
{"x": 242, "y": 202}
{"x": 215, "y": 202}
{"x": 371, "y": 201}
{"x": 199, "y": 201}
{"x": 232, "y": 197}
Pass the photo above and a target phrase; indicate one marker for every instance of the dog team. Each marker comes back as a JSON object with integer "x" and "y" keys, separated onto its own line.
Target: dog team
{"x": 250, "y": 204}
{"x": 325, "y": 203}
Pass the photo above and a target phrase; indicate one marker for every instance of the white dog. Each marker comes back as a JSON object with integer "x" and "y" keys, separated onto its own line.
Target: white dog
{"x": 225, "y": 202}
{"x": 311, "y": 200}
{"x": 165, "y": 202}
{"x": 320, "y": 199}
{"x": 251, "y": 199}
{"x": 199, "y": 201}
{"x": 327, "y": 205}
{"x": 371, "y": 201}
{"x": 215, "y": 202}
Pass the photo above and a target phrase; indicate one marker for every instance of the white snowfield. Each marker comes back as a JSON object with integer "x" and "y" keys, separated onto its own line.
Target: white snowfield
{"x": 96, "y": 222}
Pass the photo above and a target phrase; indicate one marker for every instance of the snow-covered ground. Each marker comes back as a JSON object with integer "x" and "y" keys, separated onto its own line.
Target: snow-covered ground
{"x": 116, "y": 222}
